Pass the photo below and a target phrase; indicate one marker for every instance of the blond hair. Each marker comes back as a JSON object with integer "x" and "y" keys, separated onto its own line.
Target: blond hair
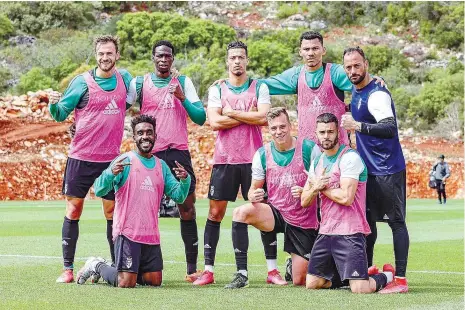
{"x": 106, "y": 38}
{"x": 275, "y": 112}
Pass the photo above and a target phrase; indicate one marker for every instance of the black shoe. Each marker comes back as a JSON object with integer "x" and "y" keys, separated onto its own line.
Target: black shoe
{"x": 239, "y": 281}
{"x": 288, "y": 274}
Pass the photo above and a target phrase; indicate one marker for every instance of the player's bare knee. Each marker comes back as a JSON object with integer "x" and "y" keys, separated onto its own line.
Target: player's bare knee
{"x": 126, "y": 284}
{"x": 315, "y": 283}
{"x": 299, "y": 281}
{"x": 241, "y": 214}
{"x": 216, "y": 214}
{"x": 358, "y": 287}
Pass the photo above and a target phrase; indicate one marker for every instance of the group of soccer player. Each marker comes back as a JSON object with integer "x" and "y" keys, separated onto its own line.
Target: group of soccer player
{"x": 324, "y": 196}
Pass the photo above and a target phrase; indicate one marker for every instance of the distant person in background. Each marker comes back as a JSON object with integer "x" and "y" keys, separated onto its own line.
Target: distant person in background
{"x": 441, "y": 172}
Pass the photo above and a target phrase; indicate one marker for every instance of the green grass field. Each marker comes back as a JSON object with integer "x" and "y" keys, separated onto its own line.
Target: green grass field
{"x": 30, "y": 261}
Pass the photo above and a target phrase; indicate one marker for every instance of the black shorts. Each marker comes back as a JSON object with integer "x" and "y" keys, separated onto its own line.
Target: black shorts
{"x": 296, "y": 240}
{"x": 226, "y": 179}
{"x": 137, "y": 257}
{"x": 184, "y": 158}
{"x": 386, "y": 197}
{"x": 339, "y": 257}
{"x": 80, "y": 176}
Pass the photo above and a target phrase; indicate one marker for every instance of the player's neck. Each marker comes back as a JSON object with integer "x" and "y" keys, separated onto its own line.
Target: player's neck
{"x": 104, "y": 74}
{"x": 162, "y": 75}
{"x": 235, "y": 80}
{"x": 365, "y": 82}
{"x": 288, "y": 145}
{"x": 145, "y": 155}
{"x": 332, "y": 151}
{"x": 315, "y": 68}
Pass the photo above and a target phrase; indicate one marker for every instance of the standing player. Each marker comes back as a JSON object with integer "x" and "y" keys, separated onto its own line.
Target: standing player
{"x": 98, "y": 98}
{"x": 374, "y": 120}
{"x": 139, "y": 180}
{"x": 236, "y": 109}
{"x": 282, "y": 164}
{"x": 170, "y": 100}
{"x": 339, "y": 177}
{"x": 441, "y": 172}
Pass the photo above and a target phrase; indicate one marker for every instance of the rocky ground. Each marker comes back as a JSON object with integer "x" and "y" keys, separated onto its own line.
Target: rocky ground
{"x": 33, "y": 150}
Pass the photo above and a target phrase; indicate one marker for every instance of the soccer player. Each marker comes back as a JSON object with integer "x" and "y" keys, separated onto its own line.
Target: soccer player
{"x": 139, "y": 180}
{"x": 236, "y": 110}
{"x": 98, "y": 99}
{"x": 339, "y": 177}
{"x": 282, "y": 163}
{"x": 374, "y": 121}
{"x": 170, "y": 100}
{"x": 441, "y": 172}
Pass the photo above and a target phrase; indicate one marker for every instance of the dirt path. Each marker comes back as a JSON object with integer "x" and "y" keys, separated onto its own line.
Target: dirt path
{"x": 12, "y": 131}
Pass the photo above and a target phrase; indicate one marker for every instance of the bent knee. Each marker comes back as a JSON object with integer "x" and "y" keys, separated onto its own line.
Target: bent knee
{"x": 242, "y": 213}
{"x": 314, "y": 283}
{"x": 126, "y": 284}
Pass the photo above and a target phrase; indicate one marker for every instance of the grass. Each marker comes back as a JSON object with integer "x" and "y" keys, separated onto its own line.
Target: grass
{"x": 30, "y": 261}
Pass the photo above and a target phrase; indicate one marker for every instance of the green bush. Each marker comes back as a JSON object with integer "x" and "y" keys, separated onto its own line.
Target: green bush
{"x": 33, "y": 17}
{"x": 288, "y": 9}
{"x": 36, "y": 79}
{"x": 269, "y": 58}
{"x": 5, "y": 76}
{"x": 139, "y": 31}
{"x": 6, "y": 27}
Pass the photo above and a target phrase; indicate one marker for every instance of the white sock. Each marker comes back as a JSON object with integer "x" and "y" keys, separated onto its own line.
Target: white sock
{"x": 389, "y": 276}
{"x": 209, "y": 268}
{"x": 243, "y": 272}
{"x": 271, "y": 264}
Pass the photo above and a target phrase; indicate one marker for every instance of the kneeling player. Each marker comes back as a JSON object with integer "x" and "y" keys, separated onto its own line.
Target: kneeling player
{"x": 139, "y": 180}
{"x": 282, "y": 163}
{"x": 339, "y": 177}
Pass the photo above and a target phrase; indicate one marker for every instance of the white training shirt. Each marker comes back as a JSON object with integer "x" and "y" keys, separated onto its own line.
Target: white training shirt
{"x": 351, "y": 166}
{"x": 379, "y": 105}
{"x": 214, "y": 98}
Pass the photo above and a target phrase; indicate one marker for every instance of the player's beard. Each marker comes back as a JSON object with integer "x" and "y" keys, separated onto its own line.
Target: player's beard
{"x": 145, "y": 149}
{"x": 360, "y": 78}
{"x": 107, "y": 67}
{"x": 331, "y": 145}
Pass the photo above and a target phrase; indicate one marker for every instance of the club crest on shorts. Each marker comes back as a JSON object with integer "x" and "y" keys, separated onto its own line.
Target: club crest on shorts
{"x": 129, "y": 262}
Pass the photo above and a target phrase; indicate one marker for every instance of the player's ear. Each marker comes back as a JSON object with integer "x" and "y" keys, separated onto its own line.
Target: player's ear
{"x": 117, "y": 56}
{"x": 324, "y": 51}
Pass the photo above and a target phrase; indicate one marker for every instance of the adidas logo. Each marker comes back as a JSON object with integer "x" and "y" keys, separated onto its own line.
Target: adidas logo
{"x": 236, "y": 250}
{"x": 207, "y": 246}
{"x": 307, "y": 255}
{"x": 274, "y": 242}
{"x": 111, "y": 108}
{"x": 147, "y": 185}
{"x": 196, "y": 243}
{"x": 64, "y": 242}
{"x": 317, "y": 102}
{"x": 355, "y": 274}
{"x": 359, "y": 104}
{"x": 385, "y": 217}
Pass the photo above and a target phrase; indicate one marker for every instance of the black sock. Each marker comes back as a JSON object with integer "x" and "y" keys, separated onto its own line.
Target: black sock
{"x": 240, "y": 241}
{"x": 110, "y": 239}
{"x": 371, "y": 240}
{"x": 401, "y": 245}
{"x": 190, "y": 237}
{"x": 210, "y": 241}
{"x": 270, "y": 244}
{"x": 108, "y": 273}
{"x": 380, "y": 279}
{"x": 69, "y": 237}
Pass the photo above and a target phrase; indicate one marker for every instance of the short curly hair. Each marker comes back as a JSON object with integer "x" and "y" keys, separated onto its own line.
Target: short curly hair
{"x": 143, "y": 118}
{"x": 105, "y": 39}
{"x": 237, "y": 44}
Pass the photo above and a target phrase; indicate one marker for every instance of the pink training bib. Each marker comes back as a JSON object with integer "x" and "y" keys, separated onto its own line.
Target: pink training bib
{"x": 100, "y": 124}
{"x": 169, "y": 113}
{"x": 280, "y": 180}
{"x": 138, "y": 203}
{"x": 311, "y": 103}
{"x": 337, "y": 219}
{"x": 238, "y": 145}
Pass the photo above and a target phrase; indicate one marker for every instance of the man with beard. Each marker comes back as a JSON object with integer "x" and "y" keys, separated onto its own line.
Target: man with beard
{"x": 339, "y": 177}
{"x": 139, "y": 180}
{"x": 170, "y": 100}
{"x": 282, "y": 163}
{"x": 98, "y": 99}
{"x": 236, "y": 109}
{"x": 374, "y": 121}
